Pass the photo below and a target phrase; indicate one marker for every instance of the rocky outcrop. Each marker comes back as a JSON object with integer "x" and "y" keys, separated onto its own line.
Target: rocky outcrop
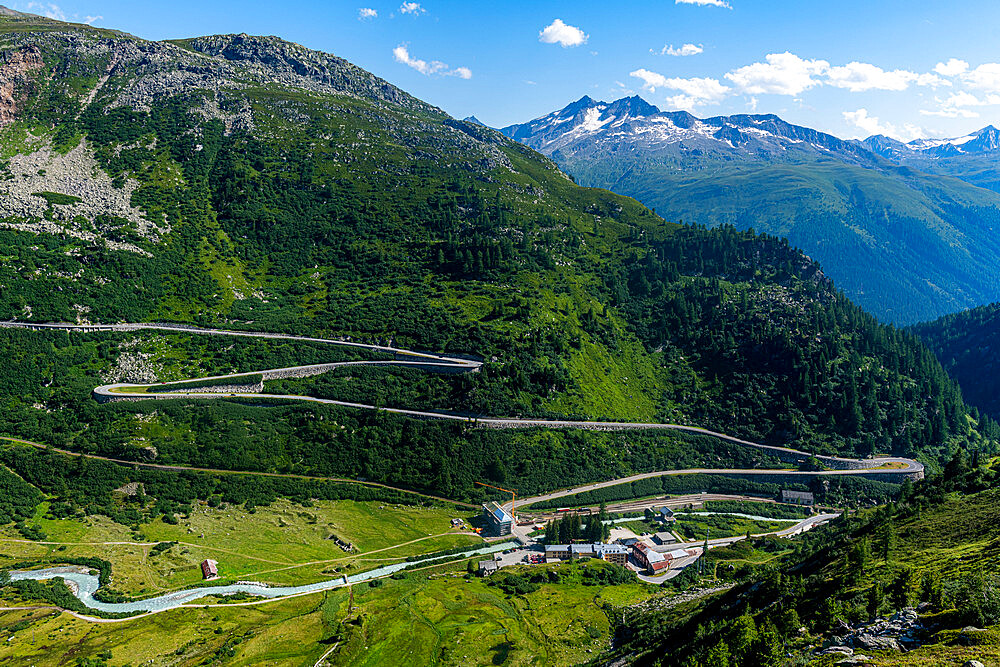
{"x": 900, "y": 632}
{"x": 296, "y": 65}
{"x": 95, "y": 210}
{"x": 16, "y": 74}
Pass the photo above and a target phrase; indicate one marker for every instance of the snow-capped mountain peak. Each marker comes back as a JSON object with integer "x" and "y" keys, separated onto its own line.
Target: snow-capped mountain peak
{"x": 986, "y": 140}
{"x": 589, "y": 125}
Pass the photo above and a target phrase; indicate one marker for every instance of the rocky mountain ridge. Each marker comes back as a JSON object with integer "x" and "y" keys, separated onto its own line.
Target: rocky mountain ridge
{"x": 974, "y": 157}
{"x": 587, "y": 126}
{"x": 985, "y": 140}
{"x": 135, "y": 73}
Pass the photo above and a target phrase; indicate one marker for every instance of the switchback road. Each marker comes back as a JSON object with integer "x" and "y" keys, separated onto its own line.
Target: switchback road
{"x": 235, "y": 385}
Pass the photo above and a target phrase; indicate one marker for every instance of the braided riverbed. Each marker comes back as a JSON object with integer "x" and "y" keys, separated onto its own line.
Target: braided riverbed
{"x": 84, "y": 585}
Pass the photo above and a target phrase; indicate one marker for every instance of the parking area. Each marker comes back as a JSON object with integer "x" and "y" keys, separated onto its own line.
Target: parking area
{"x": 533, "y": 554}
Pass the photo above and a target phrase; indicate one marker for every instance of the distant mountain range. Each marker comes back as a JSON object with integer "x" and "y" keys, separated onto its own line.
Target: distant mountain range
{"x": 907, "y": 230}
{"x": 974, "y": 158}
{"x": 587, "y": 127}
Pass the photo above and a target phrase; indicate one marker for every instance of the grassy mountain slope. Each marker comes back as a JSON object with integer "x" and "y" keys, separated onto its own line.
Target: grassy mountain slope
{"x": 904, "y": 244}
{"x": 248, "y": 182}
{"x": 935, "y": 547}
{"x": 967, "y": 344}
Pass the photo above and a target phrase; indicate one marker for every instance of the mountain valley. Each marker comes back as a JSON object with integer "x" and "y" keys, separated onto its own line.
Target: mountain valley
{"x": 905, "y": 245}
{"x": 298, "y": 369}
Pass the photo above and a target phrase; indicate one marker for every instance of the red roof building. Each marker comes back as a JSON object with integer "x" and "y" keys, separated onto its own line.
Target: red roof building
{"x": 209, "y": 569}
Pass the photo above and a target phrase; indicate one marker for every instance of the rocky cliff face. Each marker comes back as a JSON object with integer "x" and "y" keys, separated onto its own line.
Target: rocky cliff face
{"x": 16, "y": 80}
{"x": 263, "y": 58}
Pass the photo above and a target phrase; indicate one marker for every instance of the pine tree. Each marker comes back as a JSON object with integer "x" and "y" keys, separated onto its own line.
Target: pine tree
{"x": 719, "y": 655}
{"x": 875, "y": 596}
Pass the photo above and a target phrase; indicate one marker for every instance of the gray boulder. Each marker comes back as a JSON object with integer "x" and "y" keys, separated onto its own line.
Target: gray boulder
{"x": 873, "y": 643}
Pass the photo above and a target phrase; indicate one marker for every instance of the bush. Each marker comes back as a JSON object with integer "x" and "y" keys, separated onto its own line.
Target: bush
{"x": 513, "y": 584}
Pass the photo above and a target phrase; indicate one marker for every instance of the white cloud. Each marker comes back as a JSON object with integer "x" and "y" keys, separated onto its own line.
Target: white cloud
{"x": 685, "y": 50}
{"x": 956, "y": 105}
{"x": 561, "y": 33}
{"x": 953, "y": 67}
{"x": 713, "y": 3}
{"x": 871, "y": 125}
{"x": 402, "y": 55}
{"x": 950, "y": 113}
{"x": 47, "y": 9}
{"x": 365, "y": 13}
{"x": 782, "y": 74}
{"x": 683, "y": 103}
{"x": 89, "y": 20}
{"x": 966, "y": 99}
{"x": 985, "y": 77}
{"x": 412, "y": 8}
{"x": 694, "y": 91}
{"x": 858, "y": 77}
{"x": 932, "y": 80}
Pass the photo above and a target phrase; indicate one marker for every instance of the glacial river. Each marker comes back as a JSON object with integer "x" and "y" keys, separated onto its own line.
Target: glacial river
{"x": 86, "y": 584}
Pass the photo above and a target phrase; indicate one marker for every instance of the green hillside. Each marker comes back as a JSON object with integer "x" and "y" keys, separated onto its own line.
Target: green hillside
{"x": 903, "y": 245}
{"x": 245, "y": 183}
{"x": 967, "y": 343}
{"x": 226, "y": 187}
{"x": 935, "y": 548}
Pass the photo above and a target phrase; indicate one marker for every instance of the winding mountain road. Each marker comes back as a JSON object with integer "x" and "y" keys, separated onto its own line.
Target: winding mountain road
{"x": 244, "y": 385}
{"x": 238, "y": 385}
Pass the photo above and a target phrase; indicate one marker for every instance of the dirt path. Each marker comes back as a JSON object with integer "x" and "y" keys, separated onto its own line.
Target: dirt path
{"x": 217, "y": 471}
{"x": 343, "y": 558}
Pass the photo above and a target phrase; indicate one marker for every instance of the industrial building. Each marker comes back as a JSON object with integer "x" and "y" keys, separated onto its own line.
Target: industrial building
{"x": 612, "y": 553}
{"x": 653, "y": 561}
{"x": 665, "y": 537}
{"x": 797, "y": 497}
{"x": 498, "y": 520}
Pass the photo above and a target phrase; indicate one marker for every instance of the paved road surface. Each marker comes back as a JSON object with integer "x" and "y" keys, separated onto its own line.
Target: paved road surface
{"x": 431, "y": 362}
{"x": 678, "y": 565}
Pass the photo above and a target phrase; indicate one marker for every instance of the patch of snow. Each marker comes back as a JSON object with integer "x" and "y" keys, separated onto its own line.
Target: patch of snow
{"x": 927, "y": 144}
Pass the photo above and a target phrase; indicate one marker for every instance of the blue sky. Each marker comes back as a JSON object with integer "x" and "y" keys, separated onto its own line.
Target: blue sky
{"x": 910, "y": 68}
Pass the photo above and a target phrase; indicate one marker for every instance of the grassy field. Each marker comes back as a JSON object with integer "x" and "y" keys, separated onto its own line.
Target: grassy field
{"x": 693, "y": 526}
{"x": 431, "y": 617}
{"x": 284, "y": 543}
{"x": 448, "y": 621}
{"x": 959, "y": 536}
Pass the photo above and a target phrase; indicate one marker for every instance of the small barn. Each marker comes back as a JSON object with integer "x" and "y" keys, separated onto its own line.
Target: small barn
{"x": 209, "y": 569}
{"x": 665, "y": 515}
